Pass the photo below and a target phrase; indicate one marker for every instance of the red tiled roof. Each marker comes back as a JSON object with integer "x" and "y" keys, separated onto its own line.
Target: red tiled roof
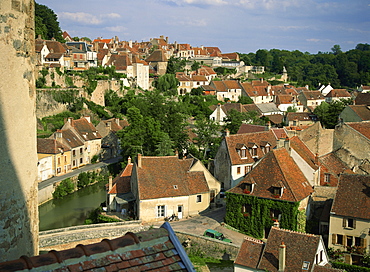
{"x": 70, "y": 138}
{"x": 362, "y": 99}
{"x": 250, "y": 252}
{"x": 277, "y": 167}
{"x": 50, "y": 146}
{"x": 303, "y": 151}
{"x": 85, "y": 129}
{"x": 122, "y": 181}
{"x": 158, "y": 176}
{"x": 353, "y": 189}
{"x": 157, "y": 56}
{"x": 339, "y": 93}
{"x": 299, "y": 116}
{"x": 362, "y": 111}
{"x": 300, "y": 247}
{"x": 120, "y": 61}
{"x": 248, "y": 128}
{"x": 259, "y": 138}
{"x": 275, "y": 118}
{"x": 157, "y": 250}
{"x": 331, "y": 164}
{"x": 232, "y": 84}
{"x": 361, "y": 127}
{"x": 313, "y": 95}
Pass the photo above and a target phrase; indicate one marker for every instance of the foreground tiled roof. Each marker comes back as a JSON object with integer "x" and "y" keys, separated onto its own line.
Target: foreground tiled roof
{"x": 362, "y": 99}
{"x": 85, "y": 129}
{"x": 354, "y": 189}
{"x": 331, "y": 164}
{"x": 153, "y": 250}
{"x": 276, "y": 169}
{"x": 250, "y": 252}
{"x": 169, "y": 176}
{"x": 303, "y": 151}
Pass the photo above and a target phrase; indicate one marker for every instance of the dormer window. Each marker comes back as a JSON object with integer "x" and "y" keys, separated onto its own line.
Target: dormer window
{"x": 248, "y": 187}
{"x": 241, "y": 149}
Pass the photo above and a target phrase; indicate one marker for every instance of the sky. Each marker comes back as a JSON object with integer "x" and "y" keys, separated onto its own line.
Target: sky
{"x": 242, "y": 26}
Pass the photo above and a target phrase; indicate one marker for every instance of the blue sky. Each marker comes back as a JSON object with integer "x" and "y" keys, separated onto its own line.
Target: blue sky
{"x": 233, "y": 25}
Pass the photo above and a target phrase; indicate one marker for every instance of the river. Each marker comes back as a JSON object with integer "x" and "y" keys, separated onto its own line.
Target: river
{"x": 71, "y": 210}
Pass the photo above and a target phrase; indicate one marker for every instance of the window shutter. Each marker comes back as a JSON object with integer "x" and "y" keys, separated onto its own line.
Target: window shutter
{"x": 344, "y": 224}
{"x": 344, "y": 242}
{"x": 363, "y": 243}
{"x": 333, "y": 239}
{"x": 354, "y": 223}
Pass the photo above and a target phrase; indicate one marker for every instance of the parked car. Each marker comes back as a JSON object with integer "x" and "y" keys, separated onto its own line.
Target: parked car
{"x": 216, "y": 235}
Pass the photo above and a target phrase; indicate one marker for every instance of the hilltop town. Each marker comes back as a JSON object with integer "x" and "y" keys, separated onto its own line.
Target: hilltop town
{"x": 285, "y": 164}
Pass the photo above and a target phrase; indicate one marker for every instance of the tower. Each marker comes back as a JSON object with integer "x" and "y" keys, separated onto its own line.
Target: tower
{"x": 18, "y": 154}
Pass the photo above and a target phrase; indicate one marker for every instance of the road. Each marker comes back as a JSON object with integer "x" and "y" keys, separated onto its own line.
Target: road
{"x": 77, "y": 171}
{"x": 211, "y": 219}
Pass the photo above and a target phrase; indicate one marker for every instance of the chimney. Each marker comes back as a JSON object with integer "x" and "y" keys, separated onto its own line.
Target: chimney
{"x": 268, "y": 125}
{"x": 129, "y": 160}
{"x": 130, "y": 43}
{"x": 58, "y": 134}
{"x": 117, "y": 121}
{"x": 70, "y": 119}
{"x": 316, "y": 158}
{"x": 88, "y": 118}
{"x": 282, "y": 257}
{"x": 227, "y": 132}
{"x": 109, "y": 124}
{"x": 110, "y": 183}
{"x": 261, "y": 79}
{"x": 177, "y": 153}
{"x": 139, "y": 160}
{"x": 287, "y": 144}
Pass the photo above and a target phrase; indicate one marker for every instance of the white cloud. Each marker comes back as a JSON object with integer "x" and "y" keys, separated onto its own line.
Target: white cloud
{"x": 187, "y": 22}
{"x": 198, "y": 2}
{"x": 118, "y": 29}
{"x": 87, "y": 18}
{"x": 80, "y": 17}
{"x": 319, "y": 40}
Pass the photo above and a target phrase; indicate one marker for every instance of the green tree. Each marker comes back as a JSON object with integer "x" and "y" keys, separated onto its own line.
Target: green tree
{"x": 164, "y": 147}
{"x": 336, "y": 49}
{"x": 245, "y": 100}
{"x": 207, "y": 131}
{"x": 195, "y": 66}
{"x": 328, "y": 114}
{"x": 45, "y": 18}
{"x": 167, "y": 84}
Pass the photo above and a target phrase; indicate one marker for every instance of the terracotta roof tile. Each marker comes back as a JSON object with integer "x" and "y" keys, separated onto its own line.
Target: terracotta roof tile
{"x": 354, "y": 189}
{"x": 361, "y": 127}
{"x": 303, "y": 151}
{"x": 276, "y": 167}
{"x": 50, "y": 146}
{"x": 169, "y": 177}
{"x": 84, "y": 128}
{"x": 331, "y": 165}
{"x": 250, "y": 252}
{"x": 258, "y": 137}
{"x": 128, "y": 253}
{"x": 340, "y": 93}
{"x": 363, "y": 111}
{"x": 362, "y": 99}
{"x": 248, "y": 128}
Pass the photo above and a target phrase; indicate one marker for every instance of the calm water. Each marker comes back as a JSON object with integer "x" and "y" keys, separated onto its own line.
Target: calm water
{"x": 73, "y": 209}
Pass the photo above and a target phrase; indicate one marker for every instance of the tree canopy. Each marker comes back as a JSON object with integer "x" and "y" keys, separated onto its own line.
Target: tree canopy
{"x": 46, "y": 23}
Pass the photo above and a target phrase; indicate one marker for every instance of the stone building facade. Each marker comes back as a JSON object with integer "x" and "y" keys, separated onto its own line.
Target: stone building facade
{"x": 18, "y": 160}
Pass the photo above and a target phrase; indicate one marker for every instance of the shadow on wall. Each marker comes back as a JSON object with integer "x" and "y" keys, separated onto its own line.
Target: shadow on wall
{"x": 15, "y": 228}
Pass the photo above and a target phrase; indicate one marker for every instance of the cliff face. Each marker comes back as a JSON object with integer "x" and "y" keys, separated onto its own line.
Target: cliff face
{"x": 18, "y": 160}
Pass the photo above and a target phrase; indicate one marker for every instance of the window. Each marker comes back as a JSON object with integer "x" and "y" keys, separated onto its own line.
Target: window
{"x": 74, "y": 152}
{"x": 81, "y": 150}
{"x": 248, "y": 168}
{"x": 199, "y": 198}
{"x": 81, "y": 161}
{"x": 349, "y": 241}
{"x": 321, "y": 256}
{"x": 327, "y": 178}
{"x": 349, "y": 223}
{"x": 243, "y": 153}
{"x": 58, "y": 160}
{"x": 276, "y": 191}
{"x": 339, "y": 240}
{"x": 254, "y": 151}
{"x": 161, "y": 211}
{"x": 238, "y": 170}
{"x": 275, "y": 214}
{"x": 247, "y": 208}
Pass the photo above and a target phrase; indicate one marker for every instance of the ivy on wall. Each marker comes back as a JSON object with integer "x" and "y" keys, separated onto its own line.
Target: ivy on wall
{"x": 254, "y": 222}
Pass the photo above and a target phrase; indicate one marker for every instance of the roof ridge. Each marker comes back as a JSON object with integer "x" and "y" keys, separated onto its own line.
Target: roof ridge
{"x": 285, "y": 178}
{"x": 296, "y": 232}
{"x": 255, "y": 240}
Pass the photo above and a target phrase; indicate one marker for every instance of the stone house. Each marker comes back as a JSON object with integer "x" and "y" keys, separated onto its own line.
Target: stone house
{"x": 311, "y": 99}
{"x": 227, "y": 90}
{"x": 158, "y": 61}
{"x": 299, "y": 119}
{"x": 349, "y": 227}
{"x": 110, "y": 142}
{"x": 220, "y": 112}
{"x": 352, "y": 145}
{"x": 83, "y": 56}
{"x": 275, "y": 190}
{"x": 164, "y": 186}
{"x": 75, "y": 144}
{"x": 238, "y": 154}
{"x": 50, "y": 53}
{"x": 60, "y": 161}
{"x": 355, "y": 113}
{"x": 284, "y": 250}
{"x": 88, "y": 134}
{"x": 259, "y": 91}
{"x": 337, "y": 95}
{"x": 119, "y": 196}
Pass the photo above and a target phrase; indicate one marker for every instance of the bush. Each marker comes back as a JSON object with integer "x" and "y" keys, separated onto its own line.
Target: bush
{"x": 64, "y": 188}
{"x": 83, "y": 180}
{"x": 350, "y": 268}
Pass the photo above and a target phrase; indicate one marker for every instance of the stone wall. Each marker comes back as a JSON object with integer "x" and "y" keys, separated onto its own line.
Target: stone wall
{"x": 18, "y": 160}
